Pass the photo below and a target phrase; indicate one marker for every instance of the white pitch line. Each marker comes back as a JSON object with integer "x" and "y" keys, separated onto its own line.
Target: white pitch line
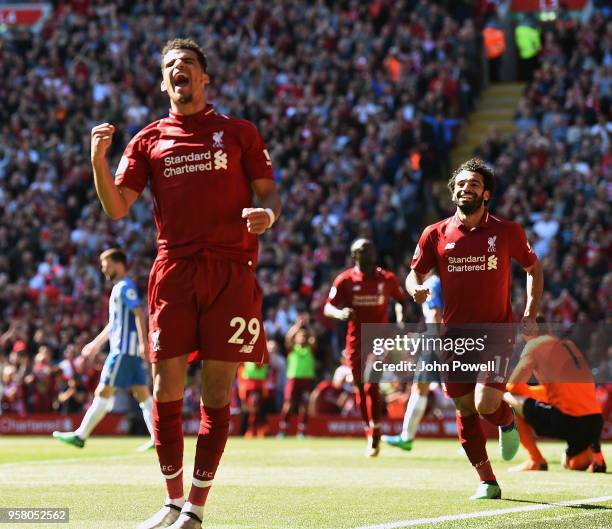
{"x": 482, "y": 514}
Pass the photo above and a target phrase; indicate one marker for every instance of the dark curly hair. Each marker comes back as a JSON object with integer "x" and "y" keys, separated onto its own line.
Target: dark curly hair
{"x": 185, "y": 44}
{"x": 475, "y": 165}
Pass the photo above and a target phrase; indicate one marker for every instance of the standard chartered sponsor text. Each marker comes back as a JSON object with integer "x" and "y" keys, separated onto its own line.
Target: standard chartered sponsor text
{"x": 173, "y": 165}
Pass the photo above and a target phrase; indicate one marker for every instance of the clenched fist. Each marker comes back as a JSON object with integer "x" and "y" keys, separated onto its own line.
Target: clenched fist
{"x": 420, "y": 294}
{"x": 101, "y": 138}
{"x": 257, "y": 219}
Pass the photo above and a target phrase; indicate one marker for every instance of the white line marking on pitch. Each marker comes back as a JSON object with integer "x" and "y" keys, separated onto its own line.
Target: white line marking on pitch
{"x": 483, "y": 514}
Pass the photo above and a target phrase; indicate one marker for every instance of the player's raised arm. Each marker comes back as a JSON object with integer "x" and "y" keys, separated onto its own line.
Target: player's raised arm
{"x": 415, "y": 288}
{"x": 116, "y": 200}
{"x": 262, "y": 218}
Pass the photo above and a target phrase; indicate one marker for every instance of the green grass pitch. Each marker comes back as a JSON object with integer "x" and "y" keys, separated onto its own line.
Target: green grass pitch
{"x": 293, "y": 484}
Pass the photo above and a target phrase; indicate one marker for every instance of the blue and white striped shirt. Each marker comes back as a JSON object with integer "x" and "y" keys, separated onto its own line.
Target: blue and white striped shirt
{"x": 123, "y": 334}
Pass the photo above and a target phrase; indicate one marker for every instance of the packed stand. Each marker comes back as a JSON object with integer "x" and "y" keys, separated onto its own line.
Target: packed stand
{"x": 359, "y": 104}
{"x": 555, "y": 178}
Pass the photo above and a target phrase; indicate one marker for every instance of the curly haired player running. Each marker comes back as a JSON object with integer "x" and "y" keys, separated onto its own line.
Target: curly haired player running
{"x": 203, "y": 169}
{"x": 477, "y": 294}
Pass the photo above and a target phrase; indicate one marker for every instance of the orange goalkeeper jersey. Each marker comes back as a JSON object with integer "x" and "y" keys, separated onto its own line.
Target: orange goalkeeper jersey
{"x": 563, "y": 372}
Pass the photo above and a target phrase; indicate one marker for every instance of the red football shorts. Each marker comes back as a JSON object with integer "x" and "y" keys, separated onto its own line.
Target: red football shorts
{"x": 297, "y": 390}
{"x": 208, "y": 306}
{"x": 457, "y": 383}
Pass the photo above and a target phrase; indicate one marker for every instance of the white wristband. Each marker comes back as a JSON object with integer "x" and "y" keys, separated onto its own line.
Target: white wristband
{"x": 271, "y": 216}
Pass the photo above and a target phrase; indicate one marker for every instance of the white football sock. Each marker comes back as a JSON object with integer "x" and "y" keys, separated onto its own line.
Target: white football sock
{"x": 198, "y": 510}
{"x": 94, "y": 415}
{"x": 179, "y": 502}
{"x": 414, "y": 413}
{"x": 147, "y": 412}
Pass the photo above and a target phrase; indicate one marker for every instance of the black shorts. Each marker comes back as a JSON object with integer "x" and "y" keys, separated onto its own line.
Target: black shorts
{"x": 548, "y": 421}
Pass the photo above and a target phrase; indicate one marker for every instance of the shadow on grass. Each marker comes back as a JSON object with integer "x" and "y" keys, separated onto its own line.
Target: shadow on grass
{"x": 584, "y": 506}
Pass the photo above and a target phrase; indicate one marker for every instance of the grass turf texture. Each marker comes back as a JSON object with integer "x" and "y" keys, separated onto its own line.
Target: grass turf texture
{"x": 292, "y": 484}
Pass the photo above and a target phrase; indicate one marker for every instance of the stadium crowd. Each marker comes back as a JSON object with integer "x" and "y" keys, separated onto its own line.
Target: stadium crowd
{"x": 555, "y": 177}
{"x": 359, "y": 104}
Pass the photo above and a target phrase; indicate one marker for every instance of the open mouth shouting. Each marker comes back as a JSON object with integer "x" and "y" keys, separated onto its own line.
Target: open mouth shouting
{"x": 180, "y": 81}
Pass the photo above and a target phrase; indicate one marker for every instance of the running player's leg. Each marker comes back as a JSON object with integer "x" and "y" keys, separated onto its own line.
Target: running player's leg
{"x": 303, "y": 407}
{"x": 536, "y": 460}
{"x": 288, "y": 402}
{"x": 417, "y": 404}
{"x": 145, "y": 401}
{"x": 253, "y": 405}
{"x": 472, "y": 439}
{"x": 95, "y": 413}
{"x": 492, "y": 407}
{"x": 374, "y": 410}
{"x": 217, "y": 379}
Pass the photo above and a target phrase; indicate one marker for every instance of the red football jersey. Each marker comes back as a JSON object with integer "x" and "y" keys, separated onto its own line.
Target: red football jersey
{"x": 474, "y": 266}
{"x": 367, "y": 296}
{"x": 199, "y": 168}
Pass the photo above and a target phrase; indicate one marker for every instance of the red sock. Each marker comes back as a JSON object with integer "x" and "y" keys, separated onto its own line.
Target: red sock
{"x": 502, "y": 416}
{"x": 168, "y": 431}
{"x": 214, "y": 429}
{"x": 360, "y": 400}
{"x": 283, "y": 418}
{"x": 473, "y": 441}
{"x": 302, "y": 419}
{"x": 374, "y": 407}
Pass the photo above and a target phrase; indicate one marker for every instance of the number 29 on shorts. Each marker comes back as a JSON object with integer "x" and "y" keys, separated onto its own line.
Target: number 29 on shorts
{"x": 253, "y": 328}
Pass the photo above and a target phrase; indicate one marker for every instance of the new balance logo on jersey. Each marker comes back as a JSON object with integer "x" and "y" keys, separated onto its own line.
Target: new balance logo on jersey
{"x": 246, "y": 349}
{"x": 220, "y": 160}
{"x": 491, "y": 242}
{"x": 356, "y": 288}
{"x": 164, "y": 145}
{"x": 218, "y": 139}
{"x": 491, "y": 262}
{"x": 449, "y": 246}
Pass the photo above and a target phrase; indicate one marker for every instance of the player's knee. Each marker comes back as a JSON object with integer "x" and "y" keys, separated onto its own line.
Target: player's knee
{"x": 465, "y": 407}
{"x": 141, "y": 393}
{"x": 486, "y": 406}
{"x": 106, "y": 392}
{"x": 216, "y": 396}
{"x": 421, "y": 389}
{"x": 162, "y": 393}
